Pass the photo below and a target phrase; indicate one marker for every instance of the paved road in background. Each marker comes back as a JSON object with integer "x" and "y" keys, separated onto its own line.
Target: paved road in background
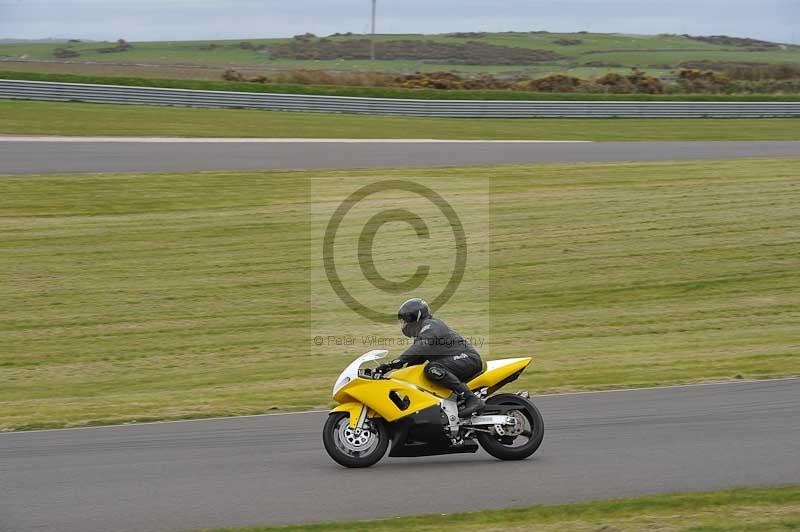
{"x": 273, "y": 469}
{"x": 29, "y": 157}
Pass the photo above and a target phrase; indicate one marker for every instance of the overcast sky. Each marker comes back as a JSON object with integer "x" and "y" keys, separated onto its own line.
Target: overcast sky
{"x": 775, "y": 20}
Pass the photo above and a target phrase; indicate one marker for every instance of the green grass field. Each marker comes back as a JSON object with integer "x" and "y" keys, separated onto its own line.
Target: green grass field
{"x": 163, "y": 296}
{"x": 657, "y": 51}
{"x": 13, "y": 69}
{"x": 737, "y": 510}
{"x": 18, "y": 117}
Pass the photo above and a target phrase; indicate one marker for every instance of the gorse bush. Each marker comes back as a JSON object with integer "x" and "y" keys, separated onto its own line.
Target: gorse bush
{"x": 65, "y": 53}
{"x": 361, "y": 88}
{"x": 773, "y": 80}
{"x": 781, "y": 71}
{"x": 121, "y": 46}
{"x": 633, "y": 83}
{"x": 742, "y": 42}
{"x": 568, "y": 42}
{"x": 702, "y": 81}
{"x": 468, "y": 53}
{"x": 556, "y": 83}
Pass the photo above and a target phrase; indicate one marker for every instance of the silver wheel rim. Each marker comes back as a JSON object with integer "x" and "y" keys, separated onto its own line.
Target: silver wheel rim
{"x": 522, "y": 429}
{"x": 356, "y": 443}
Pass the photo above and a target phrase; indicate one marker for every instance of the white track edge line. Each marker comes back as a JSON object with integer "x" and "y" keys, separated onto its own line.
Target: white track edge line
{"x": 616, "y": 390}
{"x": 200, "y": 140}
{"x": 165, "y": 422}
{"x": 670, "y": 386}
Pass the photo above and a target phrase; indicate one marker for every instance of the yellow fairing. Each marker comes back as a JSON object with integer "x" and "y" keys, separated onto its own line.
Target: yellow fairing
{"x": 409, "y": 384}
{"x": 416, "y": 375}
{"x": 496, "y": 371}
{"x": 353, "y": 408}
{"x": 376, "y": 396}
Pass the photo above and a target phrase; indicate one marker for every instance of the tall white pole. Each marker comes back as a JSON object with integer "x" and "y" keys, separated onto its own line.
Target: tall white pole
{"x": 372, "y": 45}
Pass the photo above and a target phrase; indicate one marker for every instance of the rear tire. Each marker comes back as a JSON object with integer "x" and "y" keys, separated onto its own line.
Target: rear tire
{"x": 352, "y": 450}
{"x": 502, "y": 447}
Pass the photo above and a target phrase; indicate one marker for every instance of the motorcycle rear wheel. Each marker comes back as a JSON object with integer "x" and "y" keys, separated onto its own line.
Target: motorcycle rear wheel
{"x": 352, "y": 449}
{"x": 503, "y": 447}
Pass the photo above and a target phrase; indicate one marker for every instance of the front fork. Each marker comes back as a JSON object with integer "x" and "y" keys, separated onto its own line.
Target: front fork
{"x": 356, "y": 411}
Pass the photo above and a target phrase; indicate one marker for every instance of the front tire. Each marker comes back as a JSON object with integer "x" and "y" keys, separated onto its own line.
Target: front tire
{"x": 507, "y": 447}
{"x": 352, "y": 449}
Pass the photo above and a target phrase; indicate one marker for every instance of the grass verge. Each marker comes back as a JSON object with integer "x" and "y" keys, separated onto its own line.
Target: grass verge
{"x": 736, "y": 510}
{"x": 388, "y": 92}
{"x": 80, "y": 119}
{"x": 131, "y": 297}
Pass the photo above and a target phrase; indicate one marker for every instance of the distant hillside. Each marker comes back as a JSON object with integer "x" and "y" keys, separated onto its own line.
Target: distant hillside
{"x": 535, "y": 53}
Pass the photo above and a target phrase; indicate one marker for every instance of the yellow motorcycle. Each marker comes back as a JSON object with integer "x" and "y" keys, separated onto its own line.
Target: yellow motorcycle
{"x": 420, "y": 418}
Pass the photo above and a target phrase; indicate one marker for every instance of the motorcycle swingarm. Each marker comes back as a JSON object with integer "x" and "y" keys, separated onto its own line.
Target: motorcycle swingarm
{"x": 489, "y": 420}
{"x": 498, "y": 409}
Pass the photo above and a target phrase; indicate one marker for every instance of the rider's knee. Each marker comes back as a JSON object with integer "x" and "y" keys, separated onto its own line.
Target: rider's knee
{"x": 435, "y": 372}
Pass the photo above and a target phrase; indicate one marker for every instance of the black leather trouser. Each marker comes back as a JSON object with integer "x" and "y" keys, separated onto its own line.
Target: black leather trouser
{"x": 453, "y": 371}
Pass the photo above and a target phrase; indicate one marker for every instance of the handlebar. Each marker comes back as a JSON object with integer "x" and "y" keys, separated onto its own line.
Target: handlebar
{"x": 372, "y": 374}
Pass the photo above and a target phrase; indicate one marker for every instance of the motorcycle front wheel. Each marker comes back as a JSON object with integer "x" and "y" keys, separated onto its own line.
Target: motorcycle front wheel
{"x": 521, "y": 440}
{"x": 351, "y": 447}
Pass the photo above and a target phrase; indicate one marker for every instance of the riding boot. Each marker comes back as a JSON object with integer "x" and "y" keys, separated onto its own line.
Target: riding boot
{"x": 472, "y": 403}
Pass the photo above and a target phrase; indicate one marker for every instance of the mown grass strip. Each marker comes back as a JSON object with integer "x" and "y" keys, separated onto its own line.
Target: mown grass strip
{"x": 77, "y": 119}
{"x": 729, "y": 510}
{"x": 131, "y": 297}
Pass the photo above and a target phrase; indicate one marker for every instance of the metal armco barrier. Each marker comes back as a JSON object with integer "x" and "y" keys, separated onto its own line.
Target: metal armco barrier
{"x": 79, "y": 92}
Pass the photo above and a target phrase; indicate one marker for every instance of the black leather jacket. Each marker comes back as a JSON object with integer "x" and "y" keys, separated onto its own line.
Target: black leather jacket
{"x": 434, "y": 339}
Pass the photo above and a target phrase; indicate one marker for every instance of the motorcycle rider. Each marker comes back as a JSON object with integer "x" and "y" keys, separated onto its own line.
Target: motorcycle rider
{"x": 451, "y": 359}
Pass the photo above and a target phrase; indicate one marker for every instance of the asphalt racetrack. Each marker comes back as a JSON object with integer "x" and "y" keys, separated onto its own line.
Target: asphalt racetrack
{"x": 273, "y": 469}
{"x": 34, "y": 156}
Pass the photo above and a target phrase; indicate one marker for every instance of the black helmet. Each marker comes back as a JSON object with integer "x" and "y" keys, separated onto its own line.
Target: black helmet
{"x": 411, "y": 313}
